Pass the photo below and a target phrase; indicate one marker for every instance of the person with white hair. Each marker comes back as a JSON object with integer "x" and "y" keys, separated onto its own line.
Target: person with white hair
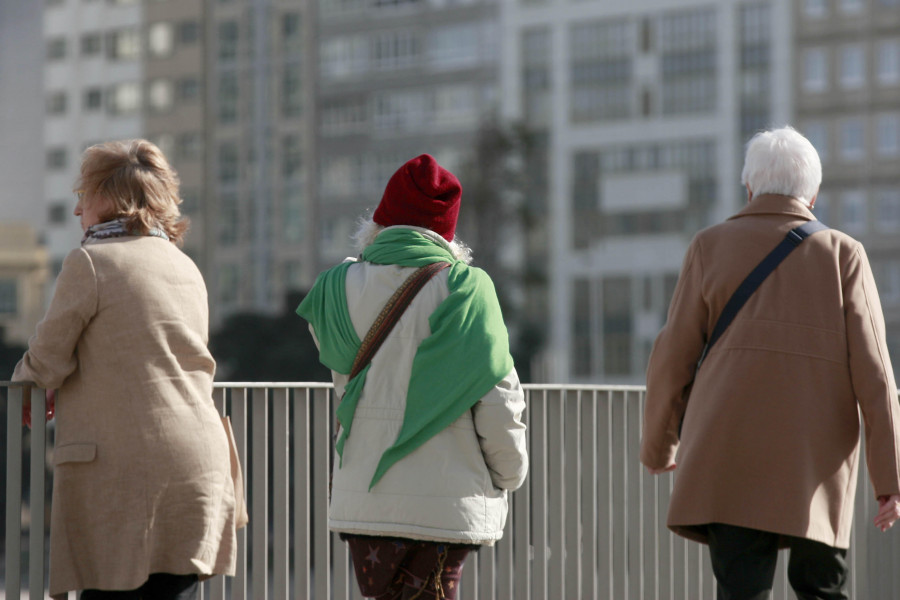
{"x": 763, "y": 426}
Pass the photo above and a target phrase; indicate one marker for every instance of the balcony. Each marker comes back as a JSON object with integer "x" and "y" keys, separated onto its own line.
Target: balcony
{"x": 588, "y": 523}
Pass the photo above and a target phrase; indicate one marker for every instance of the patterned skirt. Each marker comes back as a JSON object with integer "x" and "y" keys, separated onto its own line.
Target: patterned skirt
{"x": 402, "y": 569}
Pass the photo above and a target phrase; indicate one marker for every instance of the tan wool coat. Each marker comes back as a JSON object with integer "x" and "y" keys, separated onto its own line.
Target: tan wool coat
{"x": 142, "y": 479}
{"x": 771, "y": 429}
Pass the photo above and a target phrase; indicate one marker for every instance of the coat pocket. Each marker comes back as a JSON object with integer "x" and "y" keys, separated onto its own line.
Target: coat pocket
{"x": 74, "y": 453}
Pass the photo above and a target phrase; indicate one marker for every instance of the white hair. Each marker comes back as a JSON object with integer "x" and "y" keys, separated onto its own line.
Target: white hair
{"x": 367, "y": 230}
{"x": 781, "y": 161}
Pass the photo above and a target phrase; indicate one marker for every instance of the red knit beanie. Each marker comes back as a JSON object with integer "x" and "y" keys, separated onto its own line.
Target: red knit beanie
{"x": 421, "y": 193}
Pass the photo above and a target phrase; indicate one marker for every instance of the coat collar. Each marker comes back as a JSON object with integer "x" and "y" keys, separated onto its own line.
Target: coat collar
{"x": 775, "y": 204}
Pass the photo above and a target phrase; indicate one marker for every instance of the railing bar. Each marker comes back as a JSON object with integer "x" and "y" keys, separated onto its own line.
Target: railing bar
{"x": 280, "y": 500}
{"x": 571, "y": 469}
{"x": 259, "y": 576}
{"x": 216, "y": 585}
{"x": 541, "y": 508}
{"x": 36, "y": 509}
{"x": 521, "y": 519}
{"x": 302, "y": 513}
{"x": 239, "y": 398}
{"x": 588, "y": 493}
{"x": 16, "y": 396}
{"x": 321, "y": 458}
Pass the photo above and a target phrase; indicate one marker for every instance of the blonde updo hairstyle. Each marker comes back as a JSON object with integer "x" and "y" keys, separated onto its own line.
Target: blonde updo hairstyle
{"x": 135, "y": 178}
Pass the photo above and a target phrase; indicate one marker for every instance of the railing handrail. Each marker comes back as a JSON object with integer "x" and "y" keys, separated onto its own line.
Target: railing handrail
{"x": 578, "y": 387}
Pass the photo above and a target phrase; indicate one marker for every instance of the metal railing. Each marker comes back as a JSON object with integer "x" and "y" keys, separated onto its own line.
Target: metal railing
{"x": 588, "y": 523}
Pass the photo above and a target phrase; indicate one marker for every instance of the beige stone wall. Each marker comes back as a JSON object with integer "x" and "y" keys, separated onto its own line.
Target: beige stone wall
{"x": 25, "y": 261}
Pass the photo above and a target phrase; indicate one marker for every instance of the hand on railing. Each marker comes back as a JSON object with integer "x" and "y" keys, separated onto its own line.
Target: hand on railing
{"x": 888, "y": 511}
{"x": 50, "y": 408}
{"x": 666, "y": 469}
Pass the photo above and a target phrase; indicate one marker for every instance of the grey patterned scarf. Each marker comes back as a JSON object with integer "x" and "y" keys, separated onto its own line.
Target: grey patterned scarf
{"x": 116, "y": 228}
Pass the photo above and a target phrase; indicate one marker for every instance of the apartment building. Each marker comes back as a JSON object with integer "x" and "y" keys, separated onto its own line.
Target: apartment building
{"x": 646, "y": 106}
{"x": 396, "y": 78}
{"x": 260, "y": 160}
{"x": 93, "y": 82}
{"x": 847, "y": 91}
{"x": 23, "y": 276}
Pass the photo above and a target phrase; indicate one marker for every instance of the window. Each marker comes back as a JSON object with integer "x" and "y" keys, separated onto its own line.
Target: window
{"x": 57, "y": 158}
{"x": 161, "y": 39}
{"x": 815, "y": 70}
{"x": 292, "y": 90}
{"x": 454, "y": 46}
{"x": 888, "y": 206}
{"x": 617, "y": 324}
{"x": 160, "y": 95}
{"x": 228, "y": 285}
{"x": 292, "y": 156}
{"x": 853, "y": 212}
{"x": 344, "y": 56}
{"x": 56, "y": 49}
{"x": 400, "y": 111}
{"x": 58, "y": 213}
{"x": 395, "y": 50}
{"x": 687, "y": 42}
{"x": 228, "y": 40}
{"x": 187, "y": 89}
{"x": 888, "y": 62}
{"x": 228, "y": 98}
{"x": 852, "y": 139}
{"x": 851, "y": 7}
{"x": 189, "y": 146}
{"x": 56, "y": 103}
{"x": 292, "y": 33}
{"x": 601, "y": 70}
{"x": 887, "y": 127}
{"x": 91, "y": 44}
{"x": 817, "y": 134}
{"x": 190, "y": 200}
{"x": 229, "y": 219}
{"x": 124, "y": 44}
{"x": 9, "y": 304}
{"x": 293, "y": 214}
{"x": 815, "y": 8}
{"x": 92, "y": 99}
{"x": 455, "y": 107}
{"x": 536, "y": 75}
{"x": 344, "y": 115}
{"x": 124, "y": 99}
{"x": 853, "y": 66}
{"x": 188, "y": 33}
{"x": 229, "y": 161}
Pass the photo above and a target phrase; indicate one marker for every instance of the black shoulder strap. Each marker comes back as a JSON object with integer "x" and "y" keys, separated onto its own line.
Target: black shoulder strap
{"x": 756, "y": 277}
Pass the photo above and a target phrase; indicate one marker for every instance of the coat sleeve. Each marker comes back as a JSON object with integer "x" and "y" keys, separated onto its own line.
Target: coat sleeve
{"x": 673, "y": 362}
{"x": 51, "y": 355}
{"x": 871, "y": 374}
{"x": 501, "y": 432}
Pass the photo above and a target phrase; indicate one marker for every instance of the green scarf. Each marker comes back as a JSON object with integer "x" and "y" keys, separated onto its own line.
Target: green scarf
{"x": 465, "y": 356}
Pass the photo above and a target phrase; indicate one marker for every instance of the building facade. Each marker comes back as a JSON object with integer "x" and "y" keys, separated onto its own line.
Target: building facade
{"x": 847, "y": 90}
{"x": 646, "y": 106}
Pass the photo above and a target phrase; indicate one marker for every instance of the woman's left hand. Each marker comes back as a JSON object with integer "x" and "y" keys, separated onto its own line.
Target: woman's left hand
{"x": 50, "y": 408}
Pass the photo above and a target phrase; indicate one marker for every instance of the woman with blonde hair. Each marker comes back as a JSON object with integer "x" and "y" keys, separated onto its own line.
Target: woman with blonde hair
{"x": 143, "y": 497}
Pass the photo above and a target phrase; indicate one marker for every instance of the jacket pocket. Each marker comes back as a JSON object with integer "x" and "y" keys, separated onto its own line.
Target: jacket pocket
{"x": 74, "y": 453}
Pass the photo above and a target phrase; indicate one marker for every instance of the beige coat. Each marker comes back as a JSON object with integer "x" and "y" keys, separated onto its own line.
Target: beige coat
{"x": 142, "y": 478}
{"x": 771, "y": 429}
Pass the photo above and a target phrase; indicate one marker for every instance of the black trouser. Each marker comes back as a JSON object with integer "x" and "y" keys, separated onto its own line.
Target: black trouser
{"x": 743, "y": 561}
{"x": 160, "y": 586}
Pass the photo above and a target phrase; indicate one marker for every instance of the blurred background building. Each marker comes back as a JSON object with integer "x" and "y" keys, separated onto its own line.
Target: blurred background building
{"x": 593, "y": 138}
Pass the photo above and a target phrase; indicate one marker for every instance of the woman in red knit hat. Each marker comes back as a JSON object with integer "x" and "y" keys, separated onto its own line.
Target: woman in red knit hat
{"x": 431, "y": 437}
